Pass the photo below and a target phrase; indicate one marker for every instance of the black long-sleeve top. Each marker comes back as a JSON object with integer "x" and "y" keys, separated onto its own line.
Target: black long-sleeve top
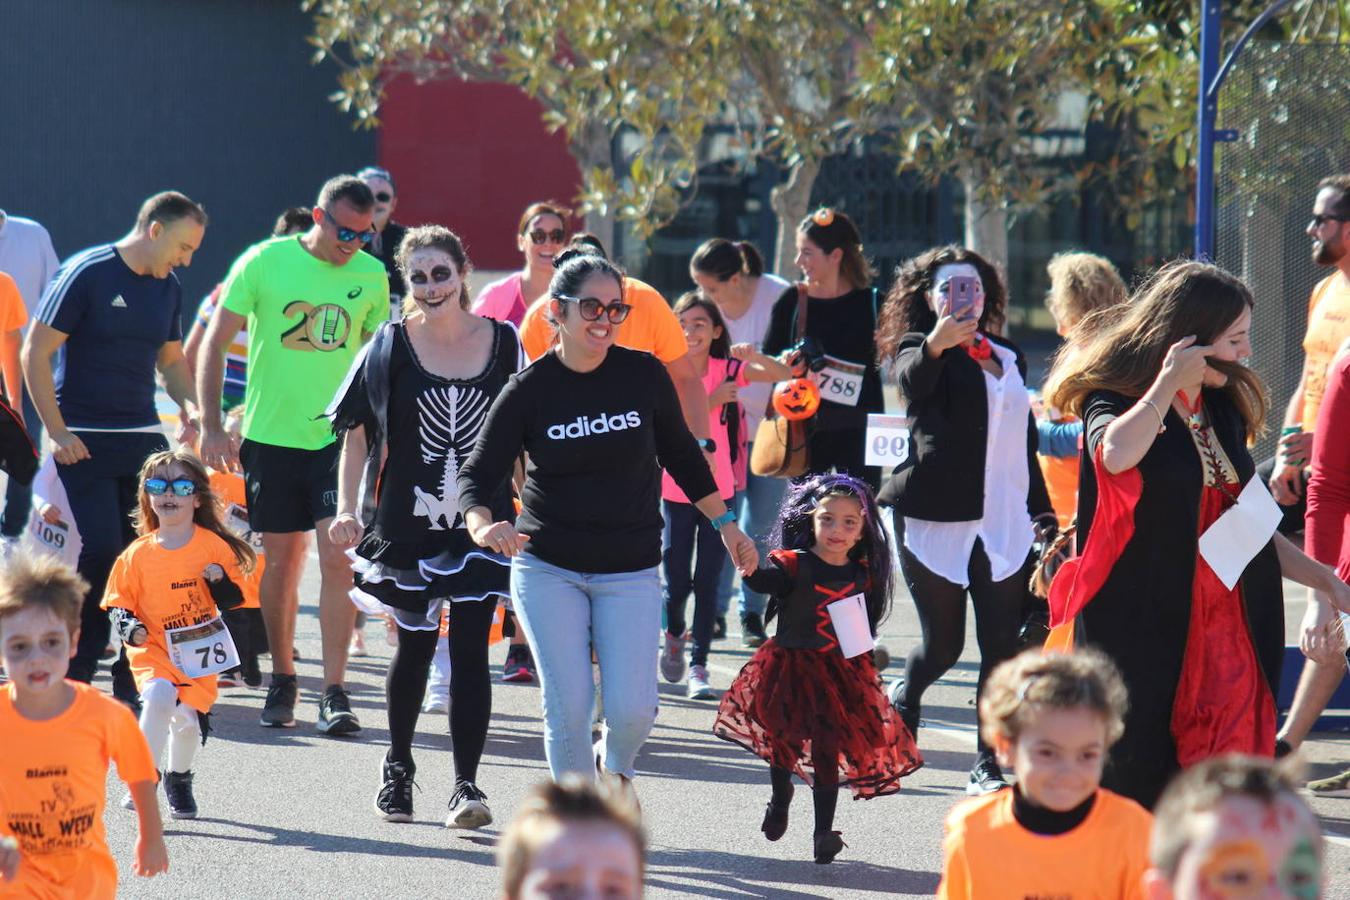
{"x": 597, "y": 442}
{"x": 948, "y": 404}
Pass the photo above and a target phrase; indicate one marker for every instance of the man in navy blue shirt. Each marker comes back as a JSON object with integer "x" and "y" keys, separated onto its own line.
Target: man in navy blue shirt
{"x": 115, "y": 312}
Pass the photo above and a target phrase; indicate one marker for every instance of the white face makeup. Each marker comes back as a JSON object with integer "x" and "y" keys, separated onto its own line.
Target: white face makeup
{"x": 938, "y": 297}
{"x": 434, "y": 279}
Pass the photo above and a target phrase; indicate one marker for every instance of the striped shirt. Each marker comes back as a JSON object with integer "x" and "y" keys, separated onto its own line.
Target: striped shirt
{"x": 115, "y": 322}
{"x": 236, "y": 355}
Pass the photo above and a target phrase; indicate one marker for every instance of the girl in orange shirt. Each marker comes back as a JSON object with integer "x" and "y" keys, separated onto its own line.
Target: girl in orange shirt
{"x": 165, "y": 594}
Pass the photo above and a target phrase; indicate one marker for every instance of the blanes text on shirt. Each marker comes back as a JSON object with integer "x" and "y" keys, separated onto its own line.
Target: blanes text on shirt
{"x": 601, "y": 424}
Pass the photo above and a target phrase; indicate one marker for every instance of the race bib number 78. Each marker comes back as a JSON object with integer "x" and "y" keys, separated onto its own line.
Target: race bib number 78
{"x": 205, "y": 649}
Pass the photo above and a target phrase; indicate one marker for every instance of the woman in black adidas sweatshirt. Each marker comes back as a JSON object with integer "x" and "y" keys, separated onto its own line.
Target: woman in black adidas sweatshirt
{"x": 598, "y": 423}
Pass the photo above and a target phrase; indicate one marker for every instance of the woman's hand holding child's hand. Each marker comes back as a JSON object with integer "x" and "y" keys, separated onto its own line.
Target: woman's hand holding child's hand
{"x": 500, "y": 537}
{"x": 744, "y": 554}
{"x": 213, "y": 573}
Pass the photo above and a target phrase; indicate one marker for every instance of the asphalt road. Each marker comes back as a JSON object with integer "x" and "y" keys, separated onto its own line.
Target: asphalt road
{"x": 288, "y": 813}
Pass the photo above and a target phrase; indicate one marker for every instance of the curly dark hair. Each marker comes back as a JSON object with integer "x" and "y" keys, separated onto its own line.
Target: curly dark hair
{"x": 906, "y": 308}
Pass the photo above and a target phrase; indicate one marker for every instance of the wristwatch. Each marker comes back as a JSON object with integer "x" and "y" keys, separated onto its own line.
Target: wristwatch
{"x": 725, "y": 518}
{"x": 708, "y": 445}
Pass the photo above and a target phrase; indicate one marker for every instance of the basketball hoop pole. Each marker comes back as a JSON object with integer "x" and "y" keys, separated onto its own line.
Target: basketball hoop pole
{"x": 1212, "y": 77}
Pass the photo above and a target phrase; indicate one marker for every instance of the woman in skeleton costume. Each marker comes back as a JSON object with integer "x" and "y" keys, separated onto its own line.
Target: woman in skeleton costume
{"x": 409, "y": 414}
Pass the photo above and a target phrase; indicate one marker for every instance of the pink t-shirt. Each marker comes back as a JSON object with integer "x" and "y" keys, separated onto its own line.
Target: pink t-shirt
{"x": 725, "y": 474}
{"x": 502, "y": 300}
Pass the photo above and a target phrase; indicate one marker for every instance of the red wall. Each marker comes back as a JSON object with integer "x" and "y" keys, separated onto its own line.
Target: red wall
{"x": 472, "y": 157}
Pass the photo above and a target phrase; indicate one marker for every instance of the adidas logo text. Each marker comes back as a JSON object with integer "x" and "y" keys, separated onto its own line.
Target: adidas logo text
{"x": 601, "y": 424}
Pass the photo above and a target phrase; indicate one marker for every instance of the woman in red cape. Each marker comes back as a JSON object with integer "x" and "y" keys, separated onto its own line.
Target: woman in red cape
{"x": 1168, "y": 408}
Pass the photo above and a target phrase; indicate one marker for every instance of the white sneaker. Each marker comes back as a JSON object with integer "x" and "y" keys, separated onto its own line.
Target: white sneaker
{"x": 436, "y": 703}
{"x": 699, "y": 688}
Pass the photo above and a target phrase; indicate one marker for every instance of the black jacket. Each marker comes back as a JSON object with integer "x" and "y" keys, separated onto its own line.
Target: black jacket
{"x": 943, "y": 479}
{"x": 390, "y": 238}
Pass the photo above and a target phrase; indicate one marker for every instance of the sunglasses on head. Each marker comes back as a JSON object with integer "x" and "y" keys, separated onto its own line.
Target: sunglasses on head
{"x": 439, "y": 275}
{"x": 182, "y": 487}
{"x": 591, "y": 308}
{"x": 540, "y": 236}
{"x": 347, "y": 235}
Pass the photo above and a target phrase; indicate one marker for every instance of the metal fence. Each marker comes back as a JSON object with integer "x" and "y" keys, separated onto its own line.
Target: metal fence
{"x": 1287, "y": 104}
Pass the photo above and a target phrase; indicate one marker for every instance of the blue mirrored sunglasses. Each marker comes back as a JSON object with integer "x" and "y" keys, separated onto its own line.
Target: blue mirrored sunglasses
{"x": 182, "y": 487}
{"x": 347, "y": 235}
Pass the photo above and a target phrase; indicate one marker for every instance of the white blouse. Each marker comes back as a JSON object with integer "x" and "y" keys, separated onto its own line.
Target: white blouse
{"x": 1006, "y": 530}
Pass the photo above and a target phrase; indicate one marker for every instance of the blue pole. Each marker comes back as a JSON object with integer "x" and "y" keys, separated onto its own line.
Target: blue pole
{"x": 1207, "y": 110}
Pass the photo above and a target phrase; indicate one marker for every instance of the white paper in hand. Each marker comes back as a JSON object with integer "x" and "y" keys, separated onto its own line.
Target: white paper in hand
{"x": 1240, "y": 533}
{"x": 849, "y": 617}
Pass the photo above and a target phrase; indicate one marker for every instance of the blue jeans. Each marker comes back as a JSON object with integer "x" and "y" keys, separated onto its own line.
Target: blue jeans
{"x": 756, "y": 511}
{"x": 565, "y": 614}
{"x": 692, "y": 558}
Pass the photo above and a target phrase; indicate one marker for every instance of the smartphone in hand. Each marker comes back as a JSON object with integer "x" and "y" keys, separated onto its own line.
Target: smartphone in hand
{"x": 961, "y": 296}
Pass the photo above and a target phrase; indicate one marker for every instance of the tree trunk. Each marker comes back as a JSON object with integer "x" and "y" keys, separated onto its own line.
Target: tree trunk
{"x": 791, "y": 201}
{"x": 986, "y": 227}
{"x": 592, "y": 149}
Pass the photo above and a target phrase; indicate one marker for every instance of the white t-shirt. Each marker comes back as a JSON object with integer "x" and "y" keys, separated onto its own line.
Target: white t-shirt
{"x": 750, "y": 329}
{"x": 62, "y": 539}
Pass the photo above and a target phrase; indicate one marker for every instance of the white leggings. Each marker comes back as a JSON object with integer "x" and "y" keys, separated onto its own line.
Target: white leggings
{"x": 164, "y": 719}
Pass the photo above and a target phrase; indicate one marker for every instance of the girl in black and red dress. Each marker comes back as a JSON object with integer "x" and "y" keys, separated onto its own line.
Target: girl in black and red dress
{"x": 799, "y": 703}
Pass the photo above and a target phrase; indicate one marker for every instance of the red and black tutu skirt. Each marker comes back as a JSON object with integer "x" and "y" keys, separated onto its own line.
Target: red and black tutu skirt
{"x": 804, "y": 710}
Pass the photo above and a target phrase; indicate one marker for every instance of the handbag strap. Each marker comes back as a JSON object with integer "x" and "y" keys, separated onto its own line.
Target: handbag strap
{"x": 799, "y": 318}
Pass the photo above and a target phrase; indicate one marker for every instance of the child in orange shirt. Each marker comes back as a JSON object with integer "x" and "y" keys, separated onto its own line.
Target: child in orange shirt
{"x": 165, "y": 594}
{"x": 59, "y": 737}
{"x": 1236, "y": 827}
{"x": 1058, "y": 833}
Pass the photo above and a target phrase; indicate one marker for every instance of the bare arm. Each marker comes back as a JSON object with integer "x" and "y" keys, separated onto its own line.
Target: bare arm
{"x": 193, "y": 347}
{"x": 43, "y": 341}
{"x": 11, "y": 343}
{"x": 693, "y": 398}
{"x": 217, "y": 451}
{"x": 1295, "y": 447}
{"x": 152, "y": 857}
{"x": 345, "y": 529}
{"x": 177, "y": 376}
{"x": 1130, "y": 436}
{"x": 759, "y": 366}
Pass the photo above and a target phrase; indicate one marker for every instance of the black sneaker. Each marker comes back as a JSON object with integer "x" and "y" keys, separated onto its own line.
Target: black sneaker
{"x": 468, "y": 807}
{"x": 178, "y": 791}
{"x": 752, "y": 630}
{"x": 828, "y": 845}
{"x": 279, "y": 708}
{"x": 986, "y": 777}
{"x": 775, "y": 821}
{"x": 909, "y": 716}
{"x": 518, "y": 666}
{"x": 395, "y": 801}
{"x": 335, "y": 713}
{"x": 719, "y": 628}
{"x": 251, "y": 672}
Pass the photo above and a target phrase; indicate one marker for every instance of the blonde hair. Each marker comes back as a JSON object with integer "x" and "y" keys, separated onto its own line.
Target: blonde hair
{"x": 39, "y": 579}
{"x": 573, "y": 801}
{"x": 208, "y": 511}
{"x": 1081, "y": 284}
{"x": 1025, "y": 685}
{"x": 1204, "y": 786}
{"x": 1123, "y": 347}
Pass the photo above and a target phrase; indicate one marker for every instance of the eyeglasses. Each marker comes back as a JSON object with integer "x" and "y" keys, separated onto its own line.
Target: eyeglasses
{"x": 1319, "y": 219}
{"x": 539, "y": 236}
{"x": 347, "y": 235}
{"x": 383, "y": 197}
{"x": 182, "y": 487}
{"x": 591, "y": 308}
{"x": 439, "y": 275}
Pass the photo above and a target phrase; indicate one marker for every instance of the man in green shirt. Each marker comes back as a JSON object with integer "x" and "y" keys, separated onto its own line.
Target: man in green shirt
{"x": 310, "y": 302}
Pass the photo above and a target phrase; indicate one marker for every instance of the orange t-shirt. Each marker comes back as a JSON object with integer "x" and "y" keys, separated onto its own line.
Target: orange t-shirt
{"x": 54, "y": 774}
{"x": 229, "y": 488}
{"x": 986, "y": 853}
{"x": 651, "y": 326}
{"x": 1328, "y": 327}
{"x": 13, "y": 314}
{"x": 165, "y": 589}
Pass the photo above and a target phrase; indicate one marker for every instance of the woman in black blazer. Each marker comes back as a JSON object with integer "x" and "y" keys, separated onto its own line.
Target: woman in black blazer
{"x": 968, "y": 499}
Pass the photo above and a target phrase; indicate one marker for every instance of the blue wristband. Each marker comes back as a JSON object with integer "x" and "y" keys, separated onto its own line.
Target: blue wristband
{"x": 725, "y": 518}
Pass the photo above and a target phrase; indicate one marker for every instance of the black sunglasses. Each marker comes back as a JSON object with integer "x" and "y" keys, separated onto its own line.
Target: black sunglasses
{"x": 182, "y": 487}
{"x": 539, "y": 235}
{"x": 347, "y": 235}
{"x": 439, "y": 275}
{"x": 591, "y": 308}
{"x": 1319, "y": 219}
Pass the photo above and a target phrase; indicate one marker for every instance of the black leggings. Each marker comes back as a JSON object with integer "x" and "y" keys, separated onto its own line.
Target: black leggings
{"x": 470, "y": 685}
{"x": 824, "y": 793}
{"x": 942, "y": 617}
